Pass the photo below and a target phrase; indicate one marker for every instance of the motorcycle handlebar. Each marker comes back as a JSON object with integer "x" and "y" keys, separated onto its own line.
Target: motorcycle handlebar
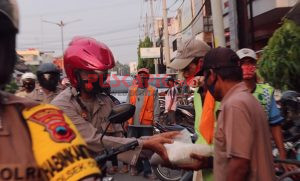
{"x": 115, "y": 151}
{"x": 288, "y": 161}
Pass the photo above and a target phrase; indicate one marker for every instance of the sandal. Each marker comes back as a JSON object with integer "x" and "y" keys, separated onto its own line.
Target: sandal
{"x": 124, "y": 169}
{"x": 112, "y": 170}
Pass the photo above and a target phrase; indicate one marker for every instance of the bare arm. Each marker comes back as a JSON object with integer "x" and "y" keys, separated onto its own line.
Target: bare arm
{"x": 172, "y": 95}
{"x": 156, "y": 106}
{"x": 238, "y": 168}
{"x": 277, "y": 136}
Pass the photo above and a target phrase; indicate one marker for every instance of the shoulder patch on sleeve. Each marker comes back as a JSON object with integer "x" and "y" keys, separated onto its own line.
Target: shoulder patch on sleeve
{"x": 53, "y": 120}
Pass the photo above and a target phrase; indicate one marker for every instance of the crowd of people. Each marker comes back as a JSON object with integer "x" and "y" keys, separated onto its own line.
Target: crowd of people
{"x": 59, "y": 123}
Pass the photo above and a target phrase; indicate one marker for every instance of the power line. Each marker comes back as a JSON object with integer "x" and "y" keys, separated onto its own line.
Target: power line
{"x": 113, "y": 5}
{"x": 141, "y": 18}
{"x": 57, "y": 41}
{"x": 159, "y": 5}
{"x": 156, "y": 10}
{"x": 98, "y": 33}
{"x": 109, "y": 45}
{"x": 123, "y": 44}
{"x": 172, "y": 4}
{"x": 31, "y": 35}
{"x": 192, "y": 22}
{"x": 113, "y": 31}
{"x": 175, "y": 10}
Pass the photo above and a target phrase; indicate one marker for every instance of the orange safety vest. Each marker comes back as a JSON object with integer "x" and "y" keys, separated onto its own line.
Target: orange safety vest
{"x": 207, "y": 120}
{"x": 147, "y": 111}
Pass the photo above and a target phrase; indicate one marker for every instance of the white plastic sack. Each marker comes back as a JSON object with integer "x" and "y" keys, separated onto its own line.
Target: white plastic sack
{"x": 179, "y": 152}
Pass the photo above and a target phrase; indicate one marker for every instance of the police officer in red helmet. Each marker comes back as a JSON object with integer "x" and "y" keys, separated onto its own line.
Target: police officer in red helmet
{"x": 86, "y": 63}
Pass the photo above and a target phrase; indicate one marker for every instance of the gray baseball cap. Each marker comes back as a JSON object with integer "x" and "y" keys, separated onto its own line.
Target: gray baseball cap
{"x": 246, "y": 52}
{"x": 10, "y": 9}
{"x": 191, "y": 49}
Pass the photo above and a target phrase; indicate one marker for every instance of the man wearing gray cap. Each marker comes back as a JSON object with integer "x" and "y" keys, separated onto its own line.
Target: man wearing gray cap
{"x": 189, "y": 60}
{"x": 189, "y": 57}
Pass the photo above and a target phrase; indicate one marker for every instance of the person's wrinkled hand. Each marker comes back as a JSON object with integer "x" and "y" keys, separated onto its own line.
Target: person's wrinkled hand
{"x": 288, "y": 167}
{"x": 200, "y": 162}
{"x": 156, "y": 143}
{"x": 126, "y": 126}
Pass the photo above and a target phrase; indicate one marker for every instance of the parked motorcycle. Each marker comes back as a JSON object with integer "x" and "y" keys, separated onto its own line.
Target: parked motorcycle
{"x": 290, "y": 109}
{"x": 185, "y": 114}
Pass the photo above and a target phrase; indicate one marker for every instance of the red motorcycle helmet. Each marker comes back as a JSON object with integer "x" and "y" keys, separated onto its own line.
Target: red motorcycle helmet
{"x": 86, "y": 53}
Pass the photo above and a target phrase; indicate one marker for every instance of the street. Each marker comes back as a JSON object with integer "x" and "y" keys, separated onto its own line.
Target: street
{"x": 128, "y": 177}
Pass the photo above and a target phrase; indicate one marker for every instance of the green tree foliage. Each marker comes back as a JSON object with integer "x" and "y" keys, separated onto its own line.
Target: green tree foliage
{"x": 121, "y": 69}
{"x": 145, "y": 62}
{"x": 12, "y": 87}
{"x": 280, "y": 62}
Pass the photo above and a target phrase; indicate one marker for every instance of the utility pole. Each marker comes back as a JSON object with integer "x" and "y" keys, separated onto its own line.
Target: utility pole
{"x": 243, "y": 24}
{"x": 166, "y": 36}
{"x": 147, "y": 27}
{"x": 218, "y": 23}
{"x": 61, "y": 24}
{"x": 193, "y": 8}
{"x": 153, "y": 34}
{"x": 153, "y": 23}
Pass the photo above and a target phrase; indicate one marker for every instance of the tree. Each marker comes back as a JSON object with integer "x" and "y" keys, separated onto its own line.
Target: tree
{"x": 280, "y": 63}
{"x": 121, "y": 69}
{"x": 145, "y": 62}
{"x": 11, "y": 87}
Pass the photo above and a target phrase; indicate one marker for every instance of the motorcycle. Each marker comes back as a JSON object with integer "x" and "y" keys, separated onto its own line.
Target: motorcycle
{"x": 120, "y": 113}
{"x": 290, "y": 109}
{"x": 185, "y": 114}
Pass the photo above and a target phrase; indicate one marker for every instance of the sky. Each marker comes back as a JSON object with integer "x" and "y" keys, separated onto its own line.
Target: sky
{"x": 117, "y": 23}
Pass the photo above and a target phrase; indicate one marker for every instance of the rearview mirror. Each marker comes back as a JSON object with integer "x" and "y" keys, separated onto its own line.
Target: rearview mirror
{"x": 121, "y": 113}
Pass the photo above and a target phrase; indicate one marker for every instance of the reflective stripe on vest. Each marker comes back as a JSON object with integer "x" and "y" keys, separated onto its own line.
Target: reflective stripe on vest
{"x": 147, "y": 112}
{"x": 58, "y": 148}
{"x": 263, "y": 93}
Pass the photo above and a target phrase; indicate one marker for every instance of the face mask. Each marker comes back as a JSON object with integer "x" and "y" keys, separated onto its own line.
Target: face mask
{"x": 49, "y": 81}
{"x": 248, "y": 71}
{"x": 29, "y": 86}
{"x": 143, "y": 81}
{"x": 190, "y": 76}
{"x": 168, "y": 84}
{"x": 211, "y": 88}
{"x": 93, "y": 88}
{"x": 95, "y": 85}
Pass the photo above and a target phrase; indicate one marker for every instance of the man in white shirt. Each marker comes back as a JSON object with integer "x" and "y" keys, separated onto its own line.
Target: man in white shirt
{"x": 171, "y": 100}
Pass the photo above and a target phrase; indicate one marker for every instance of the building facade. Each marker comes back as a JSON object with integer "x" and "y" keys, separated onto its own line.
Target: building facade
{"x": 133, "y": 67}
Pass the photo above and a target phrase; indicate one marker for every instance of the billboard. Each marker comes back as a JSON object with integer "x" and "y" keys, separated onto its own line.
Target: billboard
{"x": 150, "y": 52}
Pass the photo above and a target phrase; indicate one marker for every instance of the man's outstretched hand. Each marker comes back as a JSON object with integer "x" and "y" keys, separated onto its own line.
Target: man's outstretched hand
{"x": 156, "y": 143}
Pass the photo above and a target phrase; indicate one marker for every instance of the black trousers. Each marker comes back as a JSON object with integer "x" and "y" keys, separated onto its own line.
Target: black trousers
{"x": 139, "y": 131}
{"x": 171, "y": 117}
{"x": 143, "y": 164}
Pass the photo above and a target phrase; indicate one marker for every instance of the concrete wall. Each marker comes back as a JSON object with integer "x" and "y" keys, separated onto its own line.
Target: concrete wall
{"x": 262, "y": 6}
